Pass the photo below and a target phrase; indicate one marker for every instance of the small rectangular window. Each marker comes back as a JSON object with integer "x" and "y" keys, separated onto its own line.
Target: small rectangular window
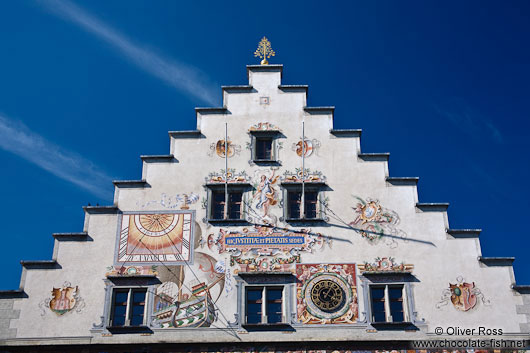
{"x": 218, "y": 204}
{"x": 263, "y": 148}
{"x": 274, "y": 305}
{"x": 310, "y": 202}
{"x": 294, "y": 202}
{"x": 264, "y": 305}
{"x": 387, "y": 303}
{"x": 234, "y": 205}
{"x": 128, "y": 307}
{"x": 233, "y": 209}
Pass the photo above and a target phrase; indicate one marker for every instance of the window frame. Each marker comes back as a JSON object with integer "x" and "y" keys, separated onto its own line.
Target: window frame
{"x": 265, "y": 304}
{"x": 387, "y": 301}
{"x": 271, "y": 135}
{"x": 390, "y": 279}
{"x": 290, "y": 188}
{"x": 251, "y": 280}
{"x": 128, "y": 308}
{"x": 233, "y": 188}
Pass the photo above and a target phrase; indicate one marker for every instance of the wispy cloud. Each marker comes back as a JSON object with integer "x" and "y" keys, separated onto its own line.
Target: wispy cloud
{"x": 469, "y": 121}
{"x": 16, "y": 138}
{"x": 183, "y": 77}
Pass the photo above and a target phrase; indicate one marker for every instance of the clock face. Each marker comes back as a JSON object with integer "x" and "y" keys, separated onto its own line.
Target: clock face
{"x": 327, "y": 295}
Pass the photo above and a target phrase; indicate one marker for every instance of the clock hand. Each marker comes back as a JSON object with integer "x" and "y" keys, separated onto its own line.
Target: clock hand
{"x": 327, "y": 293}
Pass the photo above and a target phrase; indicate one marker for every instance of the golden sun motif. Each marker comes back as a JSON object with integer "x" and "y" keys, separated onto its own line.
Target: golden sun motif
{"x": 155, "y": 232}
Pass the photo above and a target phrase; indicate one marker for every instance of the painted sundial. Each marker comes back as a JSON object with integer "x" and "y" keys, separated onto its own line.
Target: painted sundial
{"x": 154, "y": 237}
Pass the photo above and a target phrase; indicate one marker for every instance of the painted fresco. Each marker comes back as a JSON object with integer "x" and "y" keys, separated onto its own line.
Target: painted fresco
{"x": 132, "y": 271}
{"x": 265, "y": 194}
{"x": 188, "y": 293}
{"x": 148, "y": 238}
{"x": 308, "y": 176}
{"x": 230, "y": 176}
{"x": 326, "y": 294}
{"x": 265, "y": 248}
{"x": 264, "y": 127}
{"x": 183, "y": 201}
{"x": 463, "y": 295}
{"x": 374, "y": 222}
{"x": 63, "y": 300}
{"x": 309, "y": 146}
{"x": 219, "y": 148}
{"x": 385, "y": 264}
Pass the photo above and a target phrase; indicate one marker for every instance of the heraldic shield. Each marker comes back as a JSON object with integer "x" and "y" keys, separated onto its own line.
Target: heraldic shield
{"x": 63, "y": 299}
{"x": 463, "y": 296}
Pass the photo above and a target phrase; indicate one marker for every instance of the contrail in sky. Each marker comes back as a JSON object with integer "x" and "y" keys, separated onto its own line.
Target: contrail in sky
{"x": 16, "y": 138}
{"x": 181, "y": 76}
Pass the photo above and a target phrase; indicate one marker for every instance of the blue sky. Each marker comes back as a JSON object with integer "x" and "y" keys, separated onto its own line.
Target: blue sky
{"x": 88, "y": 87}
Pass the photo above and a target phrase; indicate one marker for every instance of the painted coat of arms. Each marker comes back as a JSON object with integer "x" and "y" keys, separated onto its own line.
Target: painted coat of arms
{"x": 63, "y": 300}
{"x": 463, "y": 295}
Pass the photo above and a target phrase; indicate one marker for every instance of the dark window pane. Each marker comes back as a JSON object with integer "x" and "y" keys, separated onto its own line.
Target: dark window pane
{"x": 274, "y": 318}
{"x": 138, "y": 304}
{"x": 254, "y": 308}
{"x": 378, "y": 293}
{"x": 378, "y": 306}
{"x": 138, "y": 296}
{"x": 119, "y": 308}
{"x": 274, "y": 294}
{"x": 254, "y": 319}
{"x": 379, "y": 317}
{"x": 137, "y": 320}
{"x": 118, "y": 320}
{"x": 218, "y": 204}
{"x": 397, "y": 317}
{"x": 274, "y": 308}
{"x": 121, "y": 297}
{"x": 254, "y": 305}
{"x": 234, "y": 205}
{"x": 311, "y": 198}
{"x": 294, "y": 198}
{"x": 254, "y": 294}
{"x": 395, "y": 292}
{"x": 263, "y": 148}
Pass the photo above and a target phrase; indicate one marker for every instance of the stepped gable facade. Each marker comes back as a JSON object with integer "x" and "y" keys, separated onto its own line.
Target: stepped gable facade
{"x": 263, "y": 229}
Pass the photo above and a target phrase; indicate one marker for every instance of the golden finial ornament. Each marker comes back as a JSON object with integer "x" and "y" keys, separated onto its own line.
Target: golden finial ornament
{"x": 264, "y": 51}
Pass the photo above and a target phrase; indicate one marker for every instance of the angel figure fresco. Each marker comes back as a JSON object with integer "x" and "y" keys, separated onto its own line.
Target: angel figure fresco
{"x": 266, "y": 193}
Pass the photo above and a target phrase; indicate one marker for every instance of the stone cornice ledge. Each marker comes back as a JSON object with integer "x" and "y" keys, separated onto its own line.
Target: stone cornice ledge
{"x": 101, "y": 209}
{"x": 523, "y": 289}
{"x": 185, "y": 134}
{"x": 464, "y": 233}
{"x": 408, "y": 181}
{"x": 240, "y": 88}
{"x": 374, "y": 157}
{"x": 293, "y": 88}
{"x": 159, "y": 158}
{"x": 346, "y": 132}
{"x": 211, "y": 110}
{"x": 81, "y": 236}
{"x": 319, "y": 110}
{"x": 432, "y": 207}
{"x": 496, "y": 261}
{"x": 40, "y": 264}
{"x": 130, "y": 183}
{"x": 13, "y": 294}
